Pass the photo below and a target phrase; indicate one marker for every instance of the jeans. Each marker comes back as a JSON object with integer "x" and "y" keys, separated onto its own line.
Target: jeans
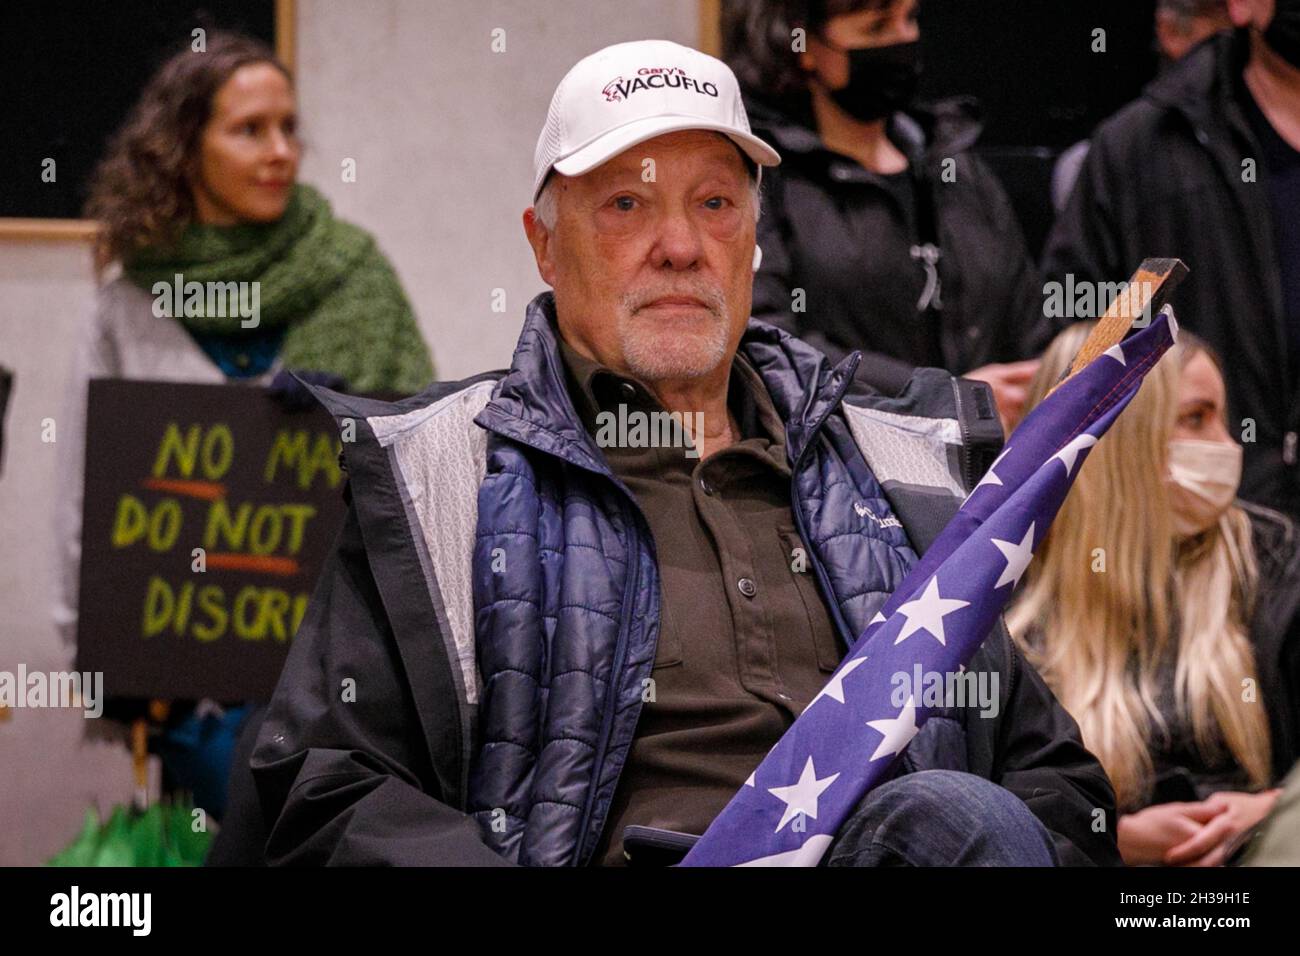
{"x": 941, "y": 818}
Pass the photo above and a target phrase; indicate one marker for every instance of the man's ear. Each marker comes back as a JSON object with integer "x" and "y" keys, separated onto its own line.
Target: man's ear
{"x": 539, "y": 237}
{"x": 1241, "y": 12}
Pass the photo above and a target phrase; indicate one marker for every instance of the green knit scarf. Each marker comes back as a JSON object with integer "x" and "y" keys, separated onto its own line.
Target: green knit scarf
{"x": 323, "y": 278}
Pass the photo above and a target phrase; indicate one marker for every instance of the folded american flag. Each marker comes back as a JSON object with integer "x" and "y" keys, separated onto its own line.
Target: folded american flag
{"x": 852, "y": 732}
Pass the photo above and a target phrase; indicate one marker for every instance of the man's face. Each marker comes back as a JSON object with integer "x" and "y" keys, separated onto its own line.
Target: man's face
{"x": 651, "y": 257}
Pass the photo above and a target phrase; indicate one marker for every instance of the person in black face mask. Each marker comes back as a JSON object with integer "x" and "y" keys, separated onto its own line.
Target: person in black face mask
{"x": 880, "y": 232}
{"x": 1205, "y": 166}
{"x": 882, "y": 79}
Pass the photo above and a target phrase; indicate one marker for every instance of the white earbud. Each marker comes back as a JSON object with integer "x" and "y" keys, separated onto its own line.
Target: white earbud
{"x": 758, "y": 257}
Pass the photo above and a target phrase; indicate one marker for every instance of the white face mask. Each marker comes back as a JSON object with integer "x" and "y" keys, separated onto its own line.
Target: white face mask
{"x": 1203, "y": 480}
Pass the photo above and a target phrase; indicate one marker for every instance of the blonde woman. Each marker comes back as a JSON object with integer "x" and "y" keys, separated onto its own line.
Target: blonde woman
{"x": 1163, "y": 613}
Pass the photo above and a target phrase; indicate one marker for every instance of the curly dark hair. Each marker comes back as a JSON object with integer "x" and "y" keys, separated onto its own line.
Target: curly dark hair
{"x": 140, "y": 192}
{"x": 757, "y": 43}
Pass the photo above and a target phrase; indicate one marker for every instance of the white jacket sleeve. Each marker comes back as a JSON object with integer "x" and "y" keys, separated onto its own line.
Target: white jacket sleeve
{"x": 93, "y": 357}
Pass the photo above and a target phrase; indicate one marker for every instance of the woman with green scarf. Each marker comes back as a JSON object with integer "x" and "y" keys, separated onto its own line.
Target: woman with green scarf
{"x": 200, "y": 186}
{"x": 327, "y": 298}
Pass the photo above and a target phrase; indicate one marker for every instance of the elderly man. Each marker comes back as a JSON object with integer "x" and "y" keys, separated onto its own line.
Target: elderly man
{"x": 593, "y": 591}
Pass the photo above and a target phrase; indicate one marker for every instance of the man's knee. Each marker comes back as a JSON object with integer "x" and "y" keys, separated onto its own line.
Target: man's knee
{"x": 942, "y": 818}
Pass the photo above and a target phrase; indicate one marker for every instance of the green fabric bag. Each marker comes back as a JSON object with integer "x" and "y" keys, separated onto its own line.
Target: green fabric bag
{"x": 161, "y": 835}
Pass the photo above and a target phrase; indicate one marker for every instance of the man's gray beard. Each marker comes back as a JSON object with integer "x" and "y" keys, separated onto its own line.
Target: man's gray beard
{"x": 648, "y": 358}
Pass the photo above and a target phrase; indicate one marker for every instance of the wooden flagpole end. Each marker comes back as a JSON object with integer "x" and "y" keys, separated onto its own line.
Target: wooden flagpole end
{"x": 1145, "y": 294}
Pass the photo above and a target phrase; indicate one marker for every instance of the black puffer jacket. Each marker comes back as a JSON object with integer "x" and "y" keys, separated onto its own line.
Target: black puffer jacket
{"x": 1164, "y": 177}
{"x": 845, "y": 235}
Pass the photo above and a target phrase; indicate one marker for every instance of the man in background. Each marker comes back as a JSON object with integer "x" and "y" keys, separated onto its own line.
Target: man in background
{"x": 1205, "y": 166}
{"x": 1181, "y": 25}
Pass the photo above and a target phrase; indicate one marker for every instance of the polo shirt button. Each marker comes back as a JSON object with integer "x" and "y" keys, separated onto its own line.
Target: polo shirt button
{"x": 628, "y": 390}
{"x": 747, "y": 587}
{"x": 706, "y": 487}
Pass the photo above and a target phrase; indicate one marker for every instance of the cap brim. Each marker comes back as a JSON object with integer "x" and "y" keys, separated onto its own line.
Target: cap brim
{"x": 624, "y": 137}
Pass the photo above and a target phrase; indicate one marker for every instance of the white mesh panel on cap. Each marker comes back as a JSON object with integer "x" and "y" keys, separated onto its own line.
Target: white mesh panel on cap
{"x": 549, "y": 143}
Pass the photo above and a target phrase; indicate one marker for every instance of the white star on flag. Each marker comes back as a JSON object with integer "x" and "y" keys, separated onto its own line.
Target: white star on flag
{"x": 806, "y": 854}
{"x": 1070, "y": 452}
{"x": 1018, "y": 557}
{"x": 801, "y": 797}
{"x": 927, "y": 612}
{"x": 898, "y": 731}
{"x": 834, "y": 688}
{"x": 1117, "y": 354}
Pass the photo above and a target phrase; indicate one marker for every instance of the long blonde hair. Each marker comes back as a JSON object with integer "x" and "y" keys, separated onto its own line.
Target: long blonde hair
{"x": 1112, "y": 583}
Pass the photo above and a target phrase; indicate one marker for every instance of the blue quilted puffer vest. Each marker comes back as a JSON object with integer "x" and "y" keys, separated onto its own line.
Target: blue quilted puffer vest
{"x": 566, "y": 586}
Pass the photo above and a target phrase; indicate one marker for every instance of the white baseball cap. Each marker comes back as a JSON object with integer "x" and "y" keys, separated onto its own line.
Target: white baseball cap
{"x": 631, "y": 92}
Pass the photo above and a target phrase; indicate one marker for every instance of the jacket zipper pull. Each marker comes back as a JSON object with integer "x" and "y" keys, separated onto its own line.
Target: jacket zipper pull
{"x": 928, "y": 255}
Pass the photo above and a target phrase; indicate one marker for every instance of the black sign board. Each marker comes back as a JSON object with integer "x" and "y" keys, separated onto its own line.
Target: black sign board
{"x": 209, "y": 512}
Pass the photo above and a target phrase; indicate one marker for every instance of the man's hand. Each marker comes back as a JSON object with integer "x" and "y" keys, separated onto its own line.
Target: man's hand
{"x": 1148, "y": 836}
{"x": 1010, "y": 382}
{"x": 1235, "y": 813}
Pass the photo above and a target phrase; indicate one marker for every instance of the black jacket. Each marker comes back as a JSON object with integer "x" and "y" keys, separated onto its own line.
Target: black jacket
{"x": 1164, "y": 177}
{"x": 1275, "y": 630}
{"x": 844, "y": 236}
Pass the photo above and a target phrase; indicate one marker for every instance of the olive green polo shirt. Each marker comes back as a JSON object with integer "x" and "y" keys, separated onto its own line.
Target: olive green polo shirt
{"x": 745, "y": 641}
